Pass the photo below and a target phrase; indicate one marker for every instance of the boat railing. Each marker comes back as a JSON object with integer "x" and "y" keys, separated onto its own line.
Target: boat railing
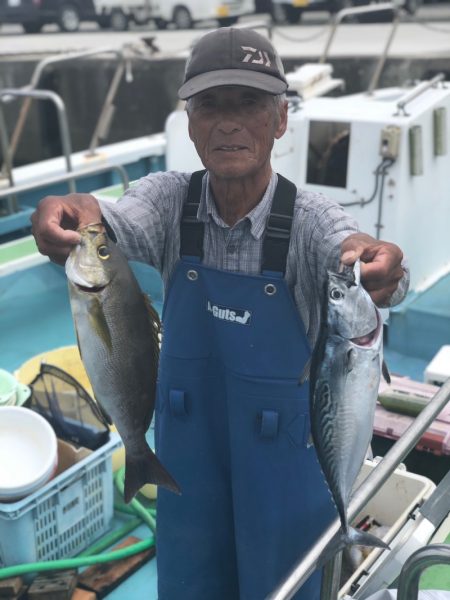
{"x": 34, "y": 82}
{"x": 356, "y": 11}
{"x": 415, "y": 565}
{"x": 9, "y": 93}
{"x": 361, "y": 496}
{"x": 67, "y": 177}
{"x": 417, "y": 91}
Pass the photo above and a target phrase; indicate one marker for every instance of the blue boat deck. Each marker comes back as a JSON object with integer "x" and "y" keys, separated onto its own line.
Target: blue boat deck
{"x": 35, "y": 317}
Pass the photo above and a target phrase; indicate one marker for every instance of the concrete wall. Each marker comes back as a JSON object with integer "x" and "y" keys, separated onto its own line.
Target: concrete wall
{"x": 143, "y": 105}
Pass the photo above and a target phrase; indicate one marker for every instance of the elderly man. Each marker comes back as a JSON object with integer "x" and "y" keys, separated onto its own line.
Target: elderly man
{"x": 243, "y": 255}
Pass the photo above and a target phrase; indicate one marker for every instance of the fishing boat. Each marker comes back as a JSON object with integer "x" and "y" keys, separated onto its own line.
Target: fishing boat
{"x": 384, "y": 155}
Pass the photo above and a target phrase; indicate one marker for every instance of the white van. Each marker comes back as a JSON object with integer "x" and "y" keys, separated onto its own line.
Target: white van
{"x": 182, "y": 13}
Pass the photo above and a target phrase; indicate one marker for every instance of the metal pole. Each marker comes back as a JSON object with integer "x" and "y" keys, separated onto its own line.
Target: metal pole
{"x": 365, "y": 491}
{"x": 39, "y": 69}
{"x": 420, "y": 89}
{"x": 331, "y": 578}
{"x": 62, "y": 120}
{"x": 376, "y": 76}
{"x": 12, "y": 204}
{"x": 408, "y": 584}
{"x": 345, "y": 12}
{"x": 104, "y": 120}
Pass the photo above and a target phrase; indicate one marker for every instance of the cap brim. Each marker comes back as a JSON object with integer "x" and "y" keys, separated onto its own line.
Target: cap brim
{"x": 247, "y": 78}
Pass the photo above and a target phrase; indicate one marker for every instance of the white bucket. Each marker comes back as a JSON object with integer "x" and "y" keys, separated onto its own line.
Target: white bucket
{"x": 28, "y": 452}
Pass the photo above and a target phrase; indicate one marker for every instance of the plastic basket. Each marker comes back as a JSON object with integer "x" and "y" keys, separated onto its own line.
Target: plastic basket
{"x": 63, "y": 517}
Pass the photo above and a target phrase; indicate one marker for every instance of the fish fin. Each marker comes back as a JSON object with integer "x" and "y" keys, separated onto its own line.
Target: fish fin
{"x": 306, "y": 373}
{"x": 78, "y": 341}
{"x": 351, "y": 356}
{"x": 353, "y": 537}
{"x": 103, "y": 412}
{"x": 155, "y": 323}
{"x": 385, "y": 372}
{"x": 98, "y": 322}
{"x": 144, "y": 467}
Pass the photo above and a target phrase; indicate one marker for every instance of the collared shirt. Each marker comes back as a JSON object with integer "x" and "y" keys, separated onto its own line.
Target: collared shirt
{"x": 146, "y": 221}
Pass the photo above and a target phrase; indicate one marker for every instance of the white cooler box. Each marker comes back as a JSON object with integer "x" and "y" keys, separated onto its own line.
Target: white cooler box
{"x": 394, "y": 506}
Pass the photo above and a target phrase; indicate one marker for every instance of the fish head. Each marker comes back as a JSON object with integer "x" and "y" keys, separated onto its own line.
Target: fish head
{"x": 351, "y": 312}
{"x": 90, "y": 265}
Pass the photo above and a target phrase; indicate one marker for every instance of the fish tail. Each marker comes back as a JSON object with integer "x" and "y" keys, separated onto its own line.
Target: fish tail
{"x": 145, "y": 468}
{"x": 362, "y": 538}
{"x": 351, "y": 537}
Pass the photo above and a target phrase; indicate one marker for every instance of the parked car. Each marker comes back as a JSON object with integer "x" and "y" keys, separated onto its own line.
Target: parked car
{"x": 291, "y": 11}
{"x": 34, "y": 14}
{"x": 117, "y": 14}
{"x": 185, "y": 13}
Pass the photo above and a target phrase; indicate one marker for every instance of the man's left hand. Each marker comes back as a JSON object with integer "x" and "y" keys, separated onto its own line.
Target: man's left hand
{"x": 381, "y": 268}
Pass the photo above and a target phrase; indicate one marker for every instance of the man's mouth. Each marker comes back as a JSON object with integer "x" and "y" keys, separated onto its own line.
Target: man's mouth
{"x": 230, "y": 148}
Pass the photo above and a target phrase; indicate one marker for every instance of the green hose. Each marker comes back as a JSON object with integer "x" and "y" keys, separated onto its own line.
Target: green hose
{"x": 88, "y": 558}
{"x": 75, "y": 563}
{"x": 140, "y": 511}
{"x": 112, "y": 538}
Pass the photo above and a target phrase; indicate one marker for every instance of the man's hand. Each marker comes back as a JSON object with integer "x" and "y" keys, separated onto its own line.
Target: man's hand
{"x": 381, "y": 268}
{"x": 56, "y": 220}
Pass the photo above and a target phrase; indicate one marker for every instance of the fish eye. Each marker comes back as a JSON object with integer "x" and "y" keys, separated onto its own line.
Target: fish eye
{"x": 336, "y": 294}
{"x": 103, "y": 252}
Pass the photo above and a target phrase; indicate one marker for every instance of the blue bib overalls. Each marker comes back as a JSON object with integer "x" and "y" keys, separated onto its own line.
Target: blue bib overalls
{"x": 232, "y": 425}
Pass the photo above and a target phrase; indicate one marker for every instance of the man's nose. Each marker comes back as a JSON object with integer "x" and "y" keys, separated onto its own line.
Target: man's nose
{"x": 229, "y": 125}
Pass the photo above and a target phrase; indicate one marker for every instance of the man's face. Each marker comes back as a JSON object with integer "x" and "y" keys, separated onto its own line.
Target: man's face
{"x": 234, "y": 128}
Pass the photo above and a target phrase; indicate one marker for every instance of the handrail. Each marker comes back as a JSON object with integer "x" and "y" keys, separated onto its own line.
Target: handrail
{"x": 380, "y": 64}
{"x": 358, "y": 10}
{"x": 37, "y": 73}
{"x": 365, "y": 492}
{"x": 417, "y": 91}
{"x": 107, "y": 112}
{"x": 428, "y": 556}
{"x": 62, "y": 119}
{"x": 26, "y": 187}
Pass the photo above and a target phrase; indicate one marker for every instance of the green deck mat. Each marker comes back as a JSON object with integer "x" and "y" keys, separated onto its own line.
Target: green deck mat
{"x": 18, "y": 249}
{"x": 436, "y": 578}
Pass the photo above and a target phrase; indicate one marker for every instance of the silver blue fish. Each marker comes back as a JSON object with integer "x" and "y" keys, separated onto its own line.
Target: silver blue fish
{"x": 345, "y": 373}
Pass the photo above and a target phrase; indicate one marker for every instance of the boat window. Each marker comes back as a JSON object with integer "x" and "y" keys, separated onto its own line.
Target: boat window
{"x": 328, "y": 147}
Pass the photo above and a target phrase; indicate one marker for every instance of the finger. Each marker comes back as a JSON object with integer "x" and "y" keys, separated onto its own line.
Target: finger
{"x": 349, "y": 257}
{"x": 381, "y": 297}
{"x": 376, "y": 273}
{"x": 59, "y": 236}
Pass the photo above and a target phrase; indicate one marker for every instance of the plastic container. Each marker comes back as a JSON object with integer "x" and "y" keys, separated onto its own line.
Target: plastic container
{"x": 438, "y": 370}
{"x": 394, "y": 506}
{"x": 28, "y": 452}
{"x": 12, "y": 393}
{"x": 63, "y": 517}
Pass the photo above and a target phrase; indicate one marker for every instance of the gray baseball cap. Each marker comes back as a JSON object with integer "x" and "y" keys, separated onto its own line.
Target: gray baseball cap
{"x": 233, "y": 56}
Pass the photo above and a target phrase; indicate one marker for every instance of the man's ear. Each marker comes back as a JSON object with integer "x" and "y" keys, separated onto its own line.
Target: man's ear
{"x": 282, "y": 125}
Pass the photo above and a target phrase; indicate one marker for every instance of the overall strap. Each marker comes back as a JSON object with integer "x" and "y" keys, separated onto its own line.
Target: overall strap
{"x": 192, "y": 230}
{"x": 278, "y": 229}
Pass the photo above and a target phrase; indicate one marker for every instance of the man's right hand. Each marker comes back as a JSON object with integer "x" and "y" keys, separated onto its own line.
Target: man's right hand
{"x": 56, "y": 220}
